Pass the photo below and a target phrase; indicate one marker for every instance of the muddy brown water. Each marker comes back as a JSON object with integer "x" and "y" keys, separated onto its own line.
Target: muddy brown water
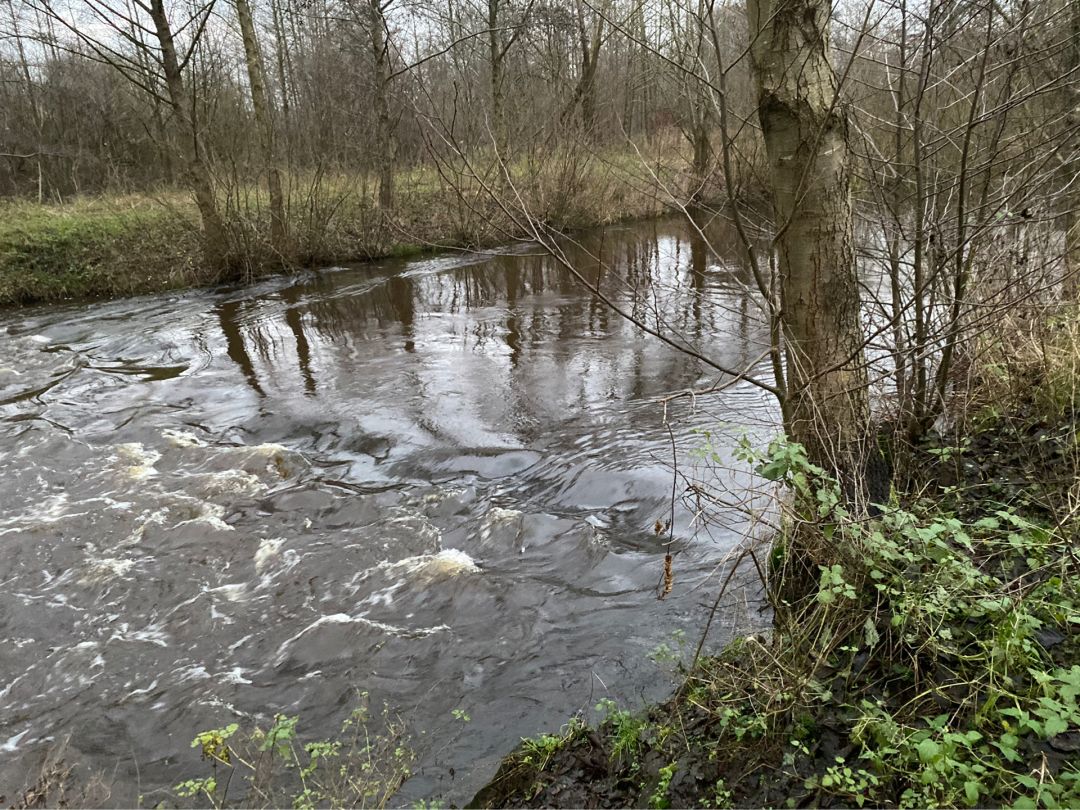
{"x": 435, "y": 480}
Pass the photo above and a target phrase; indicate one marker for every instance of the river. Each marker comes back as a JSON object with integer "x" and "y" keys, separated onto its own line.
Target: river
{"x": 433, "y": 479}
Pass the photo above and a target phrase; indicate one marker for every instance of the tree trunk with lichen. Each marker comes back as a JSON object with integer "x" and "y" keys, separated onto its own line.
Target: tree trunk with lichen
{"x": 826, "y": 406}
{"x": 806, "y": 138}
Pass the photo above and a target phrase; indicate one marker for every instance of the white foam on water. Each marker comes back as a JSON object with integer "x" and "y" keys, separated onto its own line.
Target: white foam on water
{"x": 234, "y": 592}
{"x": 345, "y": 618}
{"x": 210, "y": 514}
{"x": 232, "y": 482}
{"x": 193, "y": 672}
{"x": 51, "y": 510}
{"x": 418, "y": 523}
{"x": 151, "y": 634}
{"x": 497, "y": 518}
{"x": 402, "y": 632}
{"x": 215, "y": 702}
{"x": 11, "y": 686}
{"x": 266, "y": 449}
{"x": 454, "y": 561}
{"x": 134, "y": 693}
{"x": 269, "y": 550}
{"x": 105, "y": 568}
{"x": 334, "y": 618}
{"x": 157, "y": 517}
{"x": 137, "y": 459}
{"x": 496, "y": 514}
{"x": 182, "y": 438}
{"x": 12, "y": 743}
{"x": 446, "y": 563}
{"x": 383, "y": 597}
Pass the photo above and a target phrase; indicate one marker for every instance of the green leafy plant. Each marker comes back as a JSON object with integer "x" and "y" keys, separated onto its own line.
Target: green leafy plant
{"x": 659, "y": 799}
{"x": 538, "y": 751}
{"x": 627, "y": 729}
{"x": 362, "y": 767}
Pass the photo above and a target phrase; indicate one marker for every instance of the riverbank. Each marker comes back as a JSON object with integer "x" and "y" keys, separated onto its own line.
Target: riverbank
{"x": 937, "y": 665}
{"x": 130, "y": 244}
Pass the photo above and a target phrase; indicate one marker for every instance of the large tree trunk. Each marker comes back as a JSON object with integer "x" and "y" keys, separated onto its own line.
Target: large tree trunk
{"x": 260, "y": 103}
{"x": 699, "y": 128}
{"x": 699, "y": 138}
{"x": 699, "y": 104}
{"x": 825, "y": 405}
{"x": 197, "y": 172}
{"x": 898, "y": 187}
{"x": 150, "y": 76}
{"x": 806, "y": 139}
{"x": 281, "y": 49}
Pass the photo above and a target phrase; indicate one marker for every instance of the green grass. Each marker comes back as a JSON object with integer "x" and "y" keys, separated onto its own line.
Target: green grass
{"x": 128, "y": 244}
{"x": 115, "y": 247}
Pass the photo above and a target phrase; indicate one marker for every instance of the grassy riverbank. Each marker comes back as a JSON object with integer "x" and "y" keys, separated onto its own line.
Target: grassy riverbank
{"x": 937, "y": 665}
{"x": 122, "y": 245}
{"x": 118, "y": 246}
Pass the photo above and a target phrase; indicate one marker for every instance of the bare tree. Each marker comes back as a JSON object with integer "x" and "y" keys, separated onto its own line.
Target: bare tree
{"x": 260, "y": 102}
{"x": 381, "y": 76}
{"x": 170, "y": 66}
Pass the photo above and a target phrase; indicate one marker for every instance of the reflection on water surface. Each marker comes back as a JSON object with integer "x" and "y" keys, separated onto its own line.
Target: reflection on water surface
{"x": 435, "y": 480}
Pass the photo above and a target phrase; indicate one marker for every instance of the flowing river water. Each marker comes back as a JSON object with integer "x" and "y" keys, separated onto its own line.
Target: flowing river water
{"x": 435, "y": 480}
